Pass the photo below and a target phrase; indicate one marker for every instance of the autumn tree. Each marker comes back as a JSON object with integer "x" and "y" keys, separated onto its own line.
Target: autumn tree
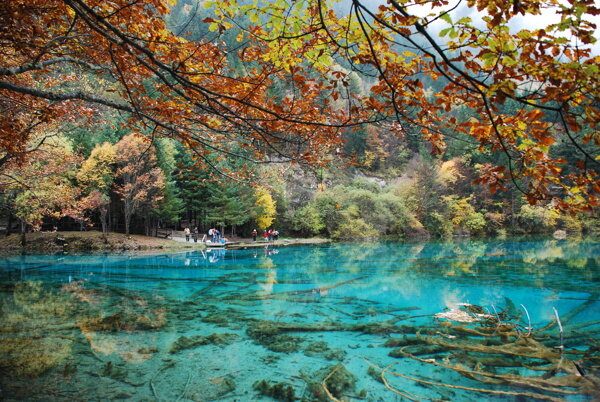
{"x": 139, "y": 181}
{"x": 95, "y": 178}
{"x": 265, "y": 208}
{"x": 169, "y": 86}
{"x": 525, "y": 89}
{"x": 42, "y": 187}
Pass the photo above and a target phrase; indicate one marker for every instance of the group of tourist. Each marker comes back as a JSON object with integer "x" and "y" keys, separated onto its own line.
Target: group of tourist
{"x": 194, "y": 233}
{"x": 213, "y": 234}
{"x": 268, "y": 235}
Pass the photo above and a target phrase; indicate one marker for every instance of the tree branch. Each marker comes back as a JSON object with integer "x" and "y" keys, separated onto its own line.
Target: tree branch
{"x": 41, "y": 65}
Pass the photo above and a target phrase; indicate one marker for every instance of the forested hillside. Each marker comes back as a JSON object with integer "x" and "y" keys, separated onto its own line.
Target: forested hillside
{"x": 199, "y": 116}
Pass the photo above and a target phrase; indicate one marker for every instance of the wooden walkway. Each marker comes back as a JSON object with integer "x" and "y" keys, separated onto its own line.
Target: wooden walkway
{"x": 243, "y": 244}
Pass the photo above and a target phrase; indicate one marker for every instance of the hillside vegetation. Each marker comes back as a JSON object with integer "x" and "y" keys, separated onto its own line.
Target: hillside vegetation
{"x": 309, "y": 118}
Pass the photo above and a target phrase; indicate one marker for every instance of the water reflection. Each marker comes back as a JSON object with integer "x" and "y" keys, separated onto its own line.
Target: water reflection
{"x": 212, "y": 324}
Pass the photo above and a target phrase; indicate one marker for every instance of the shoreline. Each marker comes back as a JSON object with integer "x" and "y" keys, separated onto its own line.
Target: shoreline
{"x": 89, "y": 242}
{"x": 93, "y": 242}
{"x": 243, "y": 245}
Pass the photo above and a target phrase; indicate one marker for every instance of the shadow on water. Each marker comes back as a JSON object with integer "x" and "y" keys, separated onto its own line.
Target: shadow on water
{"x": 373, "y": 321}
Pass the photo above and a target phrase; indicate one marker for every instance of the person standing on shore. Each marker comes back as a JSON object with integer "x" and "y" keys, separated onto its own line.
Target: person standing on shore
{"x": 186, "y": 232}
{"x": 254, "y": 234}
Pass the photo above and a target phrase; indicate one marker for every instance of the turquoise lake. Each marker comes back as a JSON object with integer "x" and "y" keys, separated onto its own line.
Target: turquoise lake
{"x": 462, "y": 321}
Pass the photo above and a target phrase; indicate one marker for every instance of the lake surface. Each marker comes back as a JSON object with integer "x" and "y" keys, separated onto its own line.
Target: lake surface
{"x": 379, "y": 322}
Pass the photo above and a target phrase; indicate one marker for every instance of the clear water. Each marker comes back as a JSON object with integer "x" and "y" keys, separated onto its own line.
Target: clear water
{"x": 208, "y": 326}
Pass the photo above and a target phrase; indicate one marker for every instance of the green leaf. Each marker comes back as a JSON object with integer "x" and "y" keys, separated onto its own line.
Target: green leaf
{"x": 592, "y": 69}
{"x": 446, "y": 17}
{"x": 445, "y": 31}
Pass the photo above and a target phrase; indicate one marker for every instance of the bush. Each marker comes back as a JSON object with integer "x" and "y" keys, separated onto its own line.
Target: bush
{"x": 463, "y": 216}
{"x": 401, "y": 217}
{"x": 328, "y": 209}
{"x": 571, "y": 224}
{"x": 353, "y": 227}
{"x": 438, "y": 225}
{"x": 534, "y": 218}
{"x": 308, "y": 220}
{"x": 495, "y": 221}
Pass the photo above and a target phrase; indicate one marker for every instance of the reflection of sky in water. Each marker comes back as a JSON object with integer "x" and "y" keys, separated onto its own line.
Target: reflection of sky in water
{"x": 170, "y": 295}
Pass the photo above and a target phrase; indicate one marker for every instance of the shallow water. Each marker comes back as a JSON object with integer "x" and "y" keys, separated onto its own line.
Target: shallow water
{"x": 449, "y": 321}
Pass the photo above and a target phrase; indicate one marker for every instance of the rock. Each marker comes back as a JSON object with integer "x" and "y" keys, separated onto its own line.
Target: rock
{"x": 560, "y": 235}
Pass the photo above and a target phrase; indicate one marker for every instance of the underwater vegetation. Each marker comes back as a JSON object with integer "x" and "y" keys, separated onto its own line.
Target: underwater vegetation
{"x": 279, "y": 391}
{"x": 214, "y": 339}
{"x": 495, "y": 349}
{"x": 224, "y": 337}
{"x": 31, "y": 357}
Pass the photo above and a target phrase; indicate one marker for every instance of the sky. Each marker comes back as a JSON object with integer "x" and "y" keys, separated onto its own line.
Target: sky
{"x": 520, "y": 22}
{"x": 530, "y": 22}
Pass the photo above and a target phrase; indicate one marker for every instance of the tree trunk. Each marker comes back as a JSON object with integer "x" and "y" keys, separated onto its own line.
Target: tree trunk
{"x": 23, "y": 236}
{"x": 109, "y": 219}
{"x": 127, "y": 215}
{"x": 9, "y": 224}
{"x": 147, "y": 225}
{"x": 103, "y": 216}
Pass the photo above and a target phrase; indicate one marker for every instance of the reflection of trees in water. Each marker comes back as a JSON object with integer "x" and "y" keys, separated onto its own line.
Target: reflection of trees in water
{"x": 527, "y": 263}
{"x": 533, "y": 264}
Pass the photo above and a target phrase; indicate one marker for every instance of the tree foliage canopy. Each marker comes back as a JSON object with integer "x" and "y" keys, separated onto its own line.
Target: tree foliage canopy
{"x": 169, "y": 86}
{"x": 524, "y": 90}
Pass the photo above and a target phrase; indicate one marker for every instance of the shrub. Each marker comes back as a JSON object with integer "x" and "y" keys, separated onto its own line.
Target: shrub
{"x": 308, "y": 220}
{"x": 351, "y": 226}
{"x": 534, "y": 218}
{"x": 463, "y": 215}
